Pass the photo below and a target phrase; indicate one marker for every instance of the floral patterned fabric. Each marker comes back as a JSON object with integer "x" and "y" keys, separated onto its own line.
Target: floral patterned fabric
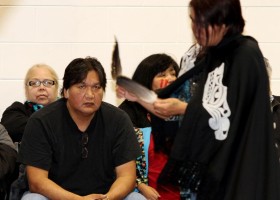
{"x": 141, "y": 165}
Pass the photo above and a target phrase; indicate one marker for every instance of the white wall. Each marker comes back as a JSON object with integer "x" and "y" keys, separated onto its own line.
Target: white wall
{"x": 55, "y": 32}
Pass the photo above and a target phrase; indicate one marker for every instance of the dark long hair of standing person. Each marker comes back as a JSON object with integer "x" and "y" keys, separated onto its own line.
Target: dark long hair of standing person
{"x": 218, "y": 12}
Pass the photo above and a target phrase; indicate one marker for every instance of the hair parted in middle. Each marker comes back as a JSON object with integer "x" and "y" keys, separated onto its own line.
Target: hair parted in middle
{"x": 77, "y": 70}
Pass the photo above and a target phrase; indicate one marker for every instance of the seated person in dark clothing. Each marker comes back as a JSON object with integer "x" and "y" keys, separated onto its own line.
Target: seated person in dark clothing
{"x": 80, "y": 147}
{"x": 154, "y": 72}
{"x": 8, "y": 156}
{"x": 41, "y": 88}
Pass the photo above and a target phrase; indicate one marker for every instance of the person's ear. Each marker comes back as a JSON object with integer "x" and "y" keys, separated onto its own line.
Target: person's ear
{"x": 66, "y": 93}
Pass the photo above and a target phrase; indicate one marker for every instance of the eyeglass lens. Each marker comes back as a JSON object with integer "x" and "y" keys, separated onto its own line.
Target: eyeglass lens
{"x": 37, "y": 83}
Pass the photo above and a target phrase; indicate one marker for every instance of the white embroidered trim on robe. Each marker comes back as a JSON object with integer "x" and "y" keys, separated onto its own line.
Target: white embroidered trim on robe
{"x": 215, "y": 102}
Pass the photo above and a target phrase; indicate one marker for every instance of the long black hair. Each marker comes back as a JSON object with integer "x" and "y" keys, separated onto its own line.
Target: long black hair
{"x": 151, "y": 66}
{"x": 218, "y": 12}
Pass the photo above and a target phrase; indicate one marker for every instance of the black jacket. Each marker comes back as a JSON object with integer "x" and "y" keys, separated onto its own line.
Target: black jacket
{"x": 15, "y": 119}
{"x": 8, "y": 157}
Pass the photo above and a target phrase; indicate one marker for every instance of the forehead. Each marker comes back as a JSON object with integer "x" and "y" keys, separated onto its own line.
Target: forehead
{"x": 91, "y": 77}
{"x": 39, "y": 72}
{"x": 169, "y": 69}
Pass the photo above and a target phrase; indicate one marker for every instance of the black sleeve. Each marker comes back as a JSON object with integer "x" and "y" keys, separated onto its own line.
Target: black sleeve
{"x": 126, "y": 147}
{"x": 35, "y": 149}
{"x": 7, "y": 160}
{"x": 14, "y": 119}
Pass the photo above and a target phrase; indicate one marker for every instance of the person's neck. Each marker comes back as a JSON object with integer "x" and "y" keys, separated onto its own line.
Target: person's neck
{"x": 81, "y": 120}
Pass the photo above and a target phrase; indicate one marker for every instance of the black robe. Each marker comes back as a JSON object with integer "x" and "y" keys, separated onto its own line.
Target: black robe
{"x": 224, "y": 148}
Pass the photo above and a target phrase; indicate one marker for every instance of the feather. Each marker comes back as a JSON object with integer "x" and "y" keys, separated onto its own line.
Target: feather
{"x": 137, "y": 89}
{"x": 116, "y": 68}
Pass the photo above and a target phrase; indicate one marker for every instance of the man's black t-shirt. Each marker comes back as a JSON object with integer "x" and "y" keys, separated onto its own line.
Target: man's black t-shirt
{"x": 52, "y": 141}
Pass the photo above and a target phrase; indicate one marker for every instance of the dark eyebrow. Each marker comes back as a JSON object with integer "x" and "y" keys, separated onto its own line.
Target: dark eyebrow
{"x": 81, "y": 83}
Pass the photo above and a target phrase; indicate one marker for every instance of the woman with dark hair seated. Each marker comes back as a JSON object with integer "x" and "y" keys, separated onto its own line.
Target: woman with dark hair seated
{"x": 154, "y": 72}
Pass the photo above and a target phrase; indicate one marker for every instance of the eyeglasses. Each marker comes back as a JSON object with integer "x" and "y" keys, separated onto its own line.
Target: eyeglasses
{"x": 84, "y": 142}
{"x": 37, "y": 83}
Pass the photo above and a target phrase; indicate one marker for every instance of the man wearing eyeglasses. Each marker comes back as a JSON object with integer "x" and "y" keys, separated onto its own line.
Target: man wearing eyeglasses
{"x": 80, "y": 147}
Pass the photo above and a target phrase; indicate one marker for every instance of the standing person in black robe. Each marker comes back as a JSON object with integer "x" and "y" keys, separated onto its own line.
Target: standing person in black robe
{"x": 223, "y": 149}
